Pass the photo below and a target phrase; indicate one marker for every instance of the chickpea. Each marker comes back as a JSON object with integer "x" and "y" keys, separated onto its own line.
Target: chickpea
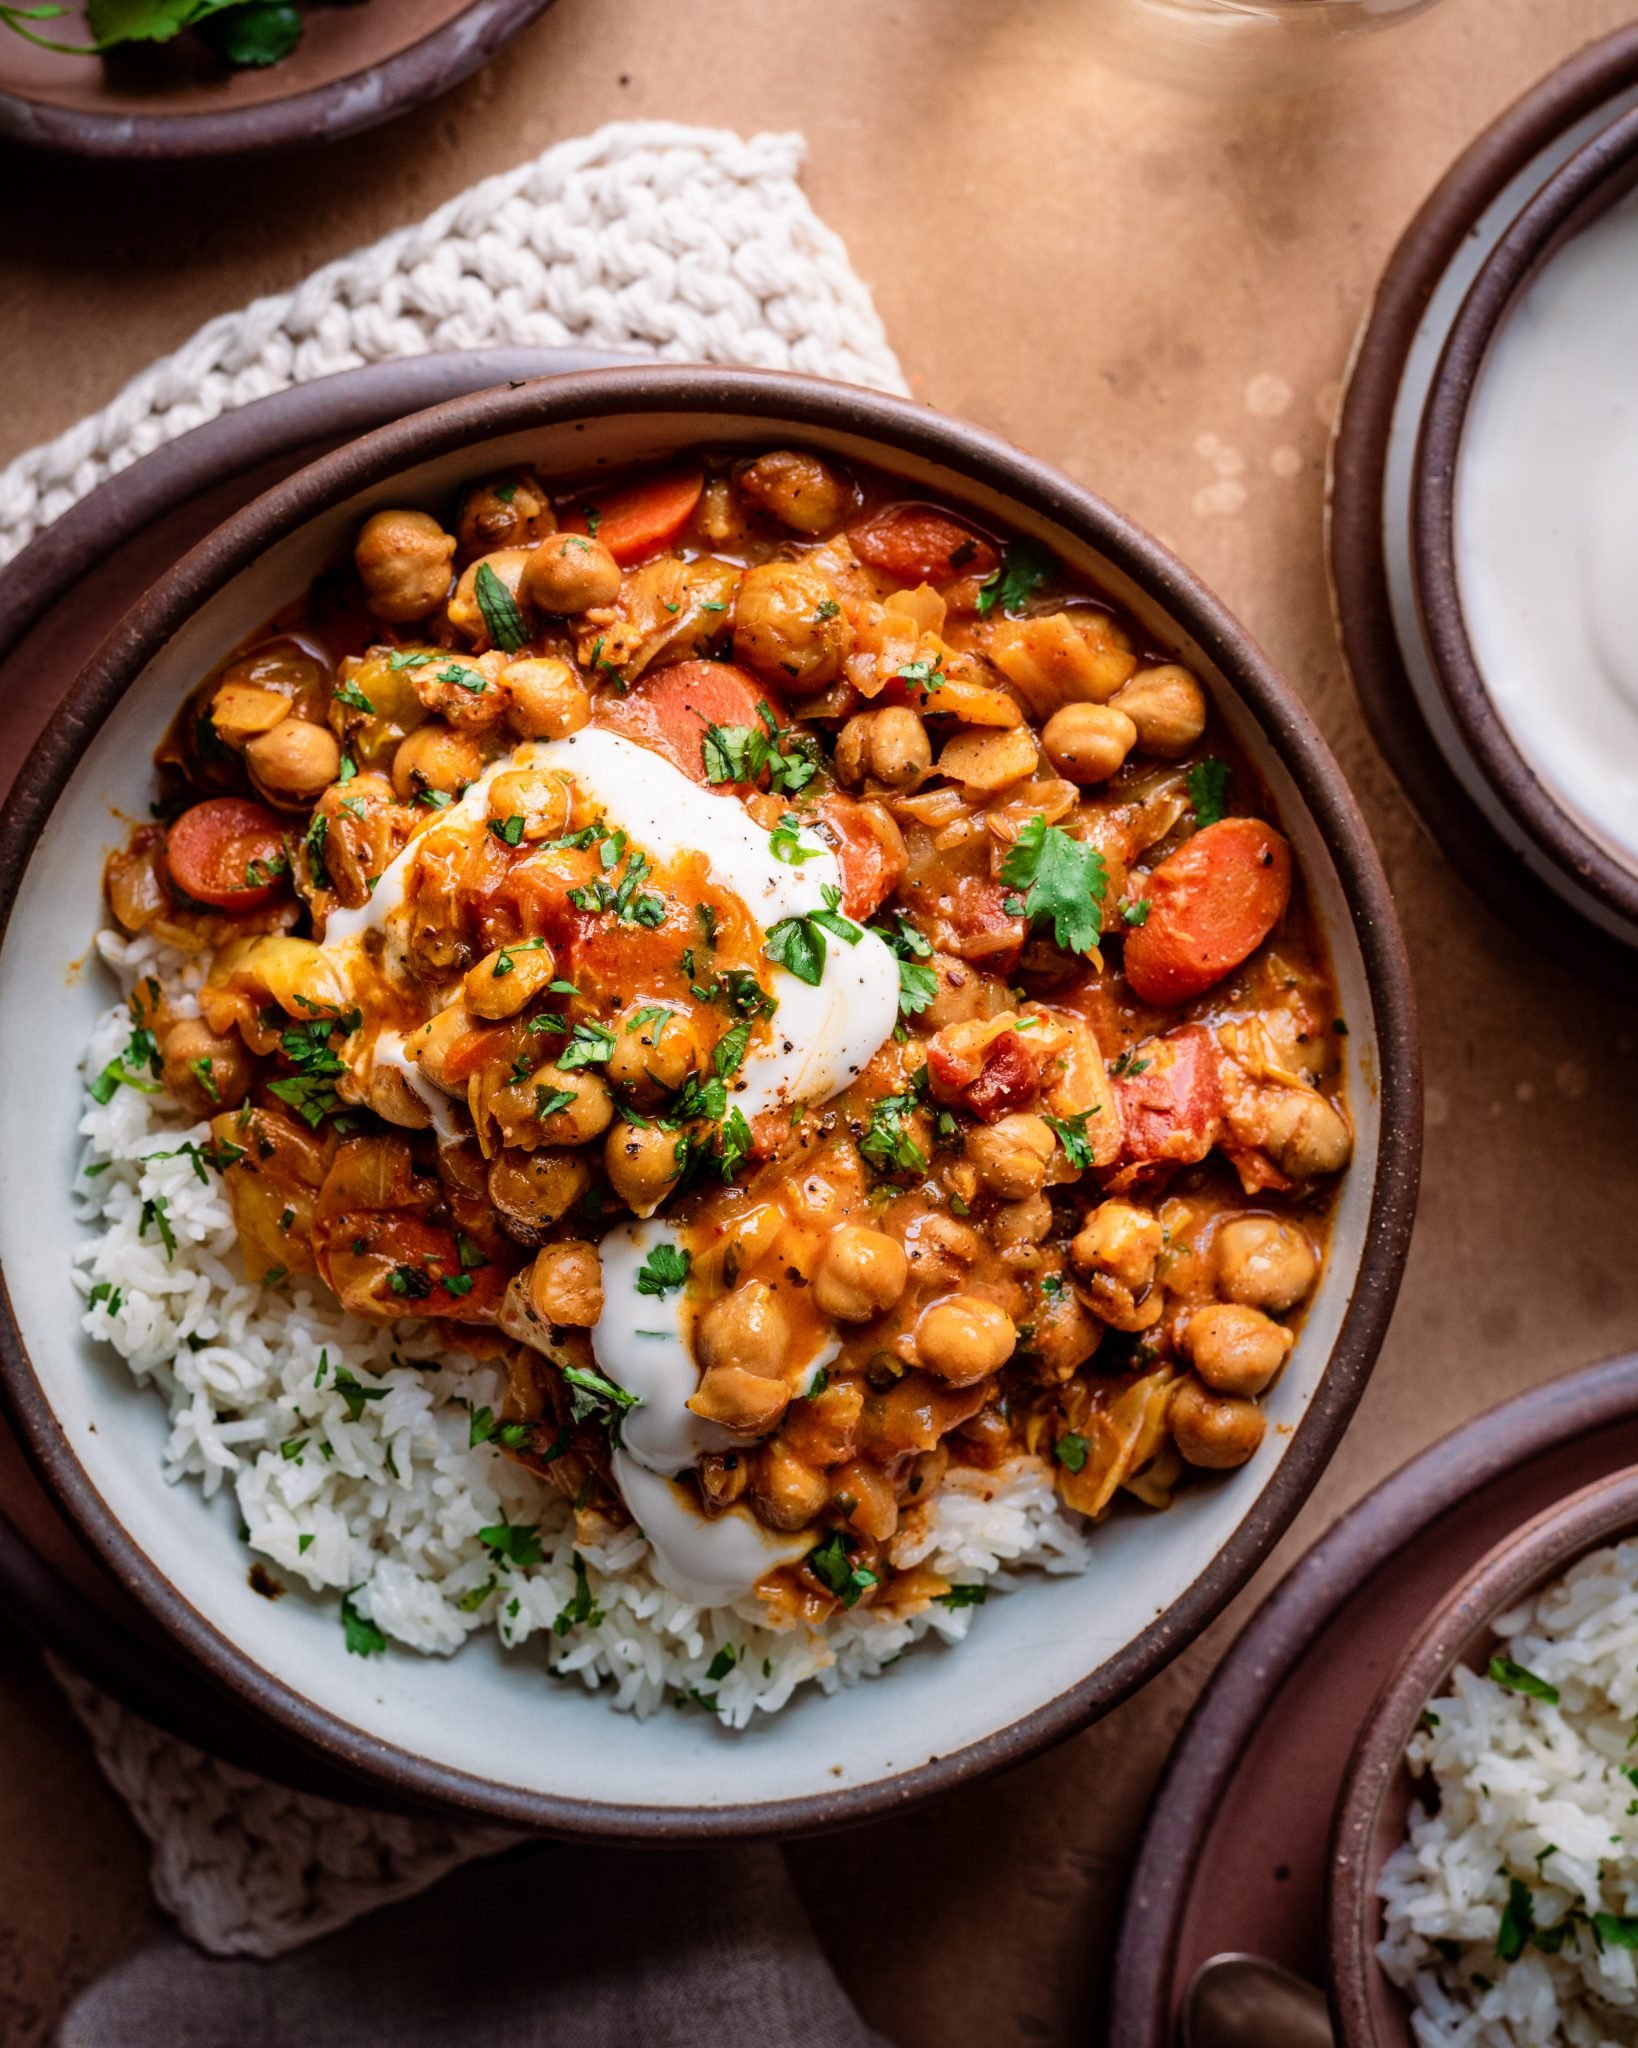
{"x": 653, "y": 1054}
{"x": 463, "y": 690}
{"x": 203, "y": 1071}
{"x": 641, "y": 1163}
{"x": 1303, "y": 1133}
{"x": 570, "y": 573}
{"x": 964, "y": 1338}
{"x": 586, "y": 1116}
{"x": 862, "y": 1274}
{"x": 889, "y": 746}
{"x": 504, "y": 512}
{"x": 723, "y": 1476}
{"x": 544, "y": 802}
{"x": 566, "y": 1285}
{"x": 546, "y": 700}
{"x": 798, "y": 490}
{"x": 863, "y": 1495}
{"x": 747, "y": 1328}
{"x": 1122, "y": 1240}
{"x": 465, "y": 614}
{"x": 1236, "y": 1350}
{"x": 1086, "y": 743}
{"x": 1168, "y": 708}
{"x": 1264, "y": 1262}
{"x": 1017, "y": 1227}
{"x": 739, "y": 1400}
{"x": 787, "y": 1490}
{"x": 532, "y": 1190}
{"x": 509, "y": 979}
{"x": 433, "y": 757}
{"x": 239, "y": 711}
{"x": 789, "y": 626}
{"x": 965, "y": 993}
{"x": 402, "y": 559}
{"x": 940, "y": 1249}
{"x": 1012, "y": 1154}
{"x": 431, "y": 1046}
{"x": 392, "y": 1098}
{"x": 983, "y": 761}
{"x": 294, "y": 762}
{"x": 1218, "y": 1431}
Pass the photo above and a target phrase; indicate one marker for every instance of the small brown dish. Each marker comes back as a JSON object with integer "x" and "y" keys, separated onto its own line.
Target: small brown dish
{"x": 1594, "y": 178}
{"x": 1377, "y": 1791}
{"x": 356, "y": 66}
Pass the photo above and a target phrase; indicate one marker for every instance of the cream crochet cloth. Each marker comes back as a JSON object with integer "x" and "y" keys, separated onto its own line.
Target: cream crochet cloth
{"x": 687, "y": 243}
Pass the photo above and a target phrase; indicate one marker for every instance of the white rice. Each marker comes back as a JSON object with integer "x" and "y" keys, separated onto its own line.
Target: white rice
{"x": 1531, "y": 1795}
{"x": 382, "y": 1499}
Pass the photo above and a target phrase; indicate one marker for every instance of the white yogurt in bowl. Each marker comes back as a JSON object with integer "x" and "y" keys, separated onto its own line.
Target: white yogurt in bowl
{"x": 1546, "y": 528}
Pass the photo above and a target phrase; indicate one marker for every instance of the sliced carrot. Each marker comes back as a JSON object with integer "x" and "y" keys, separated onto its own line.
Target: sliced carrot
{"x": 1211, "y": 905}
{"x": 916, "y": 544}
{"x": 216, "y": 850}
{"x": 633, "y": 520}
{"x": 670, "y": 709}
{"x": 872, "y": 862}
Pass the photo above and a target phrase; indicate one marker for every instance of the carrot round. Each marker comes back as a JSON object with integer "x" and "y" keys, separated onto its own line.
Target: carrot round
{"x": 1211, "y": 905}
{"x": 633, "y": 520}
{"x": 670, "y": 708}
{"x": 216, "y": 850}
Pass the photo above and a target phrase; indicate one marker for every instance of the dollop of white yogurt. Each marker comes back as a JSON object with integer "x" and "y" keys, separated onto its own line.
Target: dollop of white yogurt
{"x": 1546, "y": 527}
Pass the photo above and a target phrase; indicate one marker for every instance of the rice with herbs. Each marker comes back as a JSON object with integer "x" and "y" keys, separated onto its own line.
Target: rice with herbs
{"x": 1511, "y": 1912}
{"x": 362, "y": 1463}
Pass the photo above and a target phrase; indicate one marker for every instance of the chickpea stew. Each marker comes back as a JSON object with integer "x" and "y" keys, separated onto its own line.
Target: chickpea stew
{"x": 785, "y": 972}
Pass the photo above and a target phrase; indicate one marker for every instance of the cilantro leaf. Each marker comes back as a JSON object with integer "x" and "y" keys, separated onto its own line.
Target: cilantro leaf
{"x": 515, "y": 1541}
{"x": 1514, "y": 1678}
{"x": 1071, "y": 1450}
{"x": 1208, "y": 791}
{"x": 831, "y": 1564}
{"x": 501, "y": 617}
{"x": 364, "y": 1639}
{"x": 1025, "y": 566}
{"x": 1070, "y": 1131}
{"x": 664, "y": 1270}
{"x": 1063, "y": 880}
{"x": 963, "y": 1596}
{"x": 260, "y": 33}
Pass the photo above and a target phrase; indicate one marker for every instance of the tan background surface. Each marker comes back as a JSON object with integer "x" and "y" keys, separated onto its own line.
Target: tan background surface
{"x": 1099, "y": 268}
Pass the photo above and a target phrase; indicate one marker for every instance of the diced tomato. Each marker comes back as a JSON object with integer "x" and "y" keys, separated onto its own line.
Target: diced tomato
{"x": 1008, "y": 1081}
{"x": 917, "y": 544}
{"x": 634, "y": 520}
{"x": 670, "y": 708}
{"x": 213, "y": 850}
{"x": 986, "y": 932}
{"x": 869, "y": 853}
{"x": 385, "y": 1264}
{"x": 1171, "y": 1100}
{"x": 1211, "y": 905}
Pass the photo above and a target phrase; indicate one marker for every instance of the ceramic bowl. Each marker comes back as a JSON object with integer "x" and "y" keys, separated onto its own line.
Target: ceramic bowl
{"x": 1377, "y": 1789}
{"x": 356, "y": 65}
{"x": 1575, "y": 861}
{"x": 483, "y": 1731}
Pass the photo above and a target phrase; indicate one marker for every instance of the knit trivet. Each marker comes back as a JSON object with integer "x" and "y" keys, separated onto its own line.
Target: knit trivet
{"x": 686, "y": 243}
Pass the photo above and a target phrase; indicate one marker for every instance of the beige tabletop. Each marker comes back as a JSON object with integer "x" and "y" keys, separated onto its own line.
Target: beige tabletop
{"x": 1156, "y": 288}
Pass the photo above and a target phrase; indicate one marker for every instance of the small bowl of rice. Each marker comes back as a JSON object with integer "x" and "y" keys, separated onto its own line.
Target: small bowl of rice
{"x": 1484, "y": 1861}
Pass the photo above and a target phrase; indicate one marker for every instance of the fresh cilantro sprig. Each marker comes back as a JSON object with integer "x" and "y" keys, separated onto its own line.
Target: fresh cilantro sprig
{"x": 664, "y": 1271}
{"x": 798, "y": 943}
{"x": 743, "y": 753}
{"x": 918, "y": 984}
{"x": 1208, "y": 782}
{"x": 1025, "y": 566}
{"x": 1057, "y": 881}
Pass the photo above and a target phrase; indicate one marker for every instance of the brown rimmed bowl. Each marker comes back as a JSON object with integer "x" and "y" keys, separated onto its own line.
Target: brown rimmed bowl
{"x": 1602, "y": 171}
{"x": 483, "y": 1732}
{"x": 1374, "y": 1804}
{"x": 359, "y": 62}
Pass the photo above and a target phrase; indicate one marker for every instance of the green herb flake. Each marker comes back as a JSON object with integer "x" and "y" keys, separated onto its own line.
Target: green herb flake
{"x": 501, "y": 617}
{"x": 364, "y": 1639}
{"x": 1208, "y": 782}
{"x": 1515, "y": 1678}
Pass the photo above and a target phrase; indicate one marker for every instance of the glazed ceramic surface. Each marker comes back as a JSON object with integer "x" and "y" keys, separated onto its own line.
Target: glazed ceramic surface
{"x": 484, "y": 1729}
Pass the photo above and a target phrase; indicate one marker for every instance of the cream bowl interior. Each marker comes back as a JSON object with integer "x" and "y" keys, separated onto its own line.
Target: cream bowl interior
{"x": 487, "y": 1728}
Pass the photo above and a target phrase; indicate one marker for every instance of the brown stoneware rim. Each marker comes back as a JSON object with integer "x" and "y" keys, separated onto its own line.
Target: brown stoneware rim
{"x": 1543, "y": 1548}
{"x": 1358, "y": 462}
{"x": 898, "y": 427}
{"x": 1600, "y": 172}
{"x": 1247, "y": 1685}
{"x": 323, "y": 113}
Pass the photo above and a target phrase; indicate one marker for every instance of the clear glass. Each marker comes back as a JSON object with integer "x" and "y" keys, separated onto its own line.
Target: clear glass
{"x": 1237, "y": 45}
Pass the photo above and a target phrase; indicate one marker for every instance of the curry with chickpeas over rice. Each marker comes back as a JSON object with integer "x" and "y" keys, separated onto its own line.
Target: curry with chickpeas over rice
{"x": 784, "y": 978}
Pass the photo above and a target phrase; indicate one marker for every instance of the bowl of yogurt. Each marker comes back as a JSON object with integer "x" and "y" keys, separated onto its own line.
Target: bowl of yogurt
{"x": 1525, "y": 529}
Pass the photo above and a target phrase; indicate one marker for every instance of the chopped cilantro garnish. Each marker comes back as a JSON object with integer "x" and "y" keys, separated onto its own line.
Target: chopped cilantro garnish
{"x": 1025, "y": 566}
{"x": 1070, "y": 1132}
{"x": 501, "y": 617}
{"x": 364, "y": 1639}
{"x": 664, "y": 1270}
{"x": 832, "y": 1565}
{"x": 1071, "y": 1450}
{"x": 1063, "y": 880}
{"x": 1514, "y": 1678}
{"x": 1208, "y": 790}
